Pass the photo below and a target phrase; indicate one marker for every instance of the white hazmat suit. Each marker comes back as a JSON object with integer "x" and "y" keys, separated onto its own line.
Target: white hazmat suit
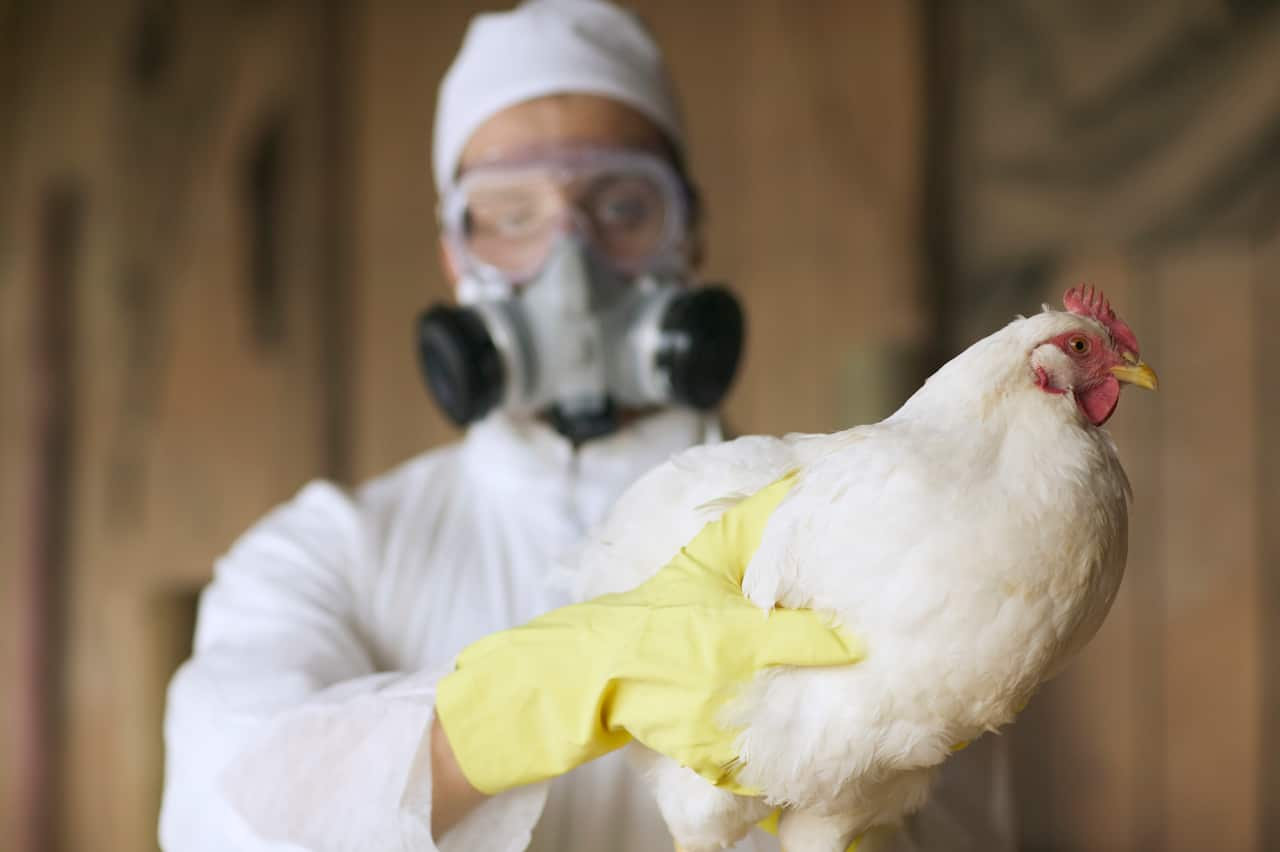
{"x": 301, "y": 720}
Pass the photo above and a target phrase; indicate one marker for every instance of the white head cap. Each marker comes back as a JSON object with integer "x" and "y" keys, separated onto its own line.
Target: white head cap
{"x": 546, "y": 47}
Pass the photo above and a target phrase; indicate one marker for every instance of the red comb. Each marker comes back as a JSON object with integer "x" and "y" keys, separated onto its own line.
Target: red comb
{"x": 1093, "y": 303}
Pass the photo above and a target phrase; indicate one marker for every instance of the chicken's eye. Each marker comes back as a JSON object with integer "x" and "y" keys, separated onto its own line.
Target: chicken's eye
{"x": 1079, "y": 345}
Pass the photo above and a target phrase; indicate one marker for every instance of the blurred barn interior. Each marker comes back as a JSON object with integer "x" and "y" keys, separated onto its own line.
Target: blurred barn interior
{"x": 217, "y": 227}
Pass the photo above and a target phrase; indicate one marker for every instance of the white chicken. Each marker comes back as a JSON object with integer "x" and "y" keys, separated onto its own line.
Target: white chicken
{"x": 974, "y": 541}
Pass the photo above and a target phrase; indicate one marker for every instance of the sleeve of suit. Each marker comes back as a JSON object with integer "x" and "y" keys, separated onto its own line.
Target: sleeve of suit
{"x": 280, "y": 732}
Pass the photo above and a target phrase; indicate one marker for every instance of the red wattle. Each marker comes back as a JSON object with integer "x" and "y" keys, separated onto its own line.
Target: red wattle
{"x": 1099, "y": 402}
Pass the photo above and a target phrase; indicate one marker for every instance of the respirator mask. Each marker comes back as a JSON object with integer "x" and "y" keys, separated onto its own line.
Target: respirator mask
{"x": 573, "y": 298}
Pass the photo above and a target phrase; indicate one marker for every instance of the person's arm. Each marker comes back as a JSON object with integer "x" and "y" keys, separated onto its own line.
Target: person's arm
{"x": 280, "y": 730}
{"x": 655, "y": 664}
{"x": 452, "y": 796}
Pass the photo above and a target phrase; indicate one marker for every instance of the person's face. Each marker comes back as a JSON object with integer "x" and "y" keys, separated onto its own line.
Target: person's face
{"x": 556, "y": 121}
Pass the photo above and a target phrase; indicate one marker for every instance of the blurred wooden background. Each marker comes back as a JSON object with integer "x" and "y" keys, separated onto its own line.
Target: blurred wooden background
{"x": 217, "y": 228}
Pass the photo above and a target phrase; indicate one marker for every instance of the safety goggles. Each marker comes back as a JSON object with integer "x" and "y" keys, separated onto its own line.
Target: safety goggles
{"x": 503, "y": 219}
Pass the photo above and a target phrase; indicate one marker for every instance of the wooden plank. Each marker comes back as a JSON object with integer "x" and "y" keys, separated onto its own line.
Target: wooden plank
{"x": 334, "y": 94}
{"x": 47, "y": 144}
{"x": 1266, "y": 365}
{"x": 150, "y": 632}
{"x": 14, "y": 23}
{"x": 55, "y": 412}
{"x": 830, "y": 258}
{"x": 403, "y": 52}
{"x": 1143, "y": 443}
{"x": 18, "y": 472}
{"x": 15, "y": 424}
{"x": 1209, "y": 480}
{"x": 15, "y": 444}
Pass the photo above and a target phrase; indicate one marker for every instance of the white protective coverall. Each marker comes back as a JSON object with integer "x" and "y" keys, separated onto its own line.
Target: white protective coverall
{"x": 301, "y": 720}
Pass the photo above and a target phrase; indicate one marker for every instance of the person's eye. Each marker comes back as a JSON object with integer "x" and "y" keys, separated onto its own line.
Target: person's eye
{"x": 505, "y": 220}
{"x": 515, "y": 221}
{"x": 623, "y": 202}
{"x": 623, "y": 212}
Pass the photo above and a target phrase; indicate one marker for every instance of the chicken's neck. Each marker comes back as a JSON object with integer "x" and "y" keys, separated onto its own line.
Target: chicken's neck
{"x": 983, "y": 412}
{"x": 980, "y": 386}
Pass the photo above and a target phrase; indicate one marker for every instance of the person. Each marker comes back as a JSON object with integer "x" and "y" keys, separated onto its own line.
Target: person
{"x": 306, "y": 716}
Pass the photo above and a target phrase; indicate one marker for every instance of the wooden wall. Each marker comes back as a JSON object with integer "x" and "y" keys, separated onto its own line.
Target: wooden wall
{"x": 217, "y": 230}
{"x": 1134, "y": 145}
{"x": 1156, "y": 738}
{"x": 166, "y": 293}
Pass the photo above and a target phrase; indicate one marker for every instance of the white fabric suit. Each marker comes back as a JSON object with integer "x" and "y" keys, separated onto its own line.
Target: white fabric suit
{"x": 300, "y": 722}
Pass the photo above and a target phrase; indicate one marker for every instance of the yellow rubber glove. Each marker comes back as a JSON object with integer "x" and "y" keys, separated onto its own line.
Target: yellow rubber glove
{"x": 656, "y": 664}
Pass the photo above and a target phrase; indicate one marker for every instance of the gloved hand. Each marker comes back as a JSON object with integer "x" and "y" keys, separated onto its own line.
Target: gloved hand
{"x": 655, "y": 664}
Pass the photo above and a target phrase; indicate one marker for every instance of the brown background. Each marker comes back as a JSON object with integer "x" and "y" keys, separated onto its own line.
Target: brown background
{"x": 216, "y": 229}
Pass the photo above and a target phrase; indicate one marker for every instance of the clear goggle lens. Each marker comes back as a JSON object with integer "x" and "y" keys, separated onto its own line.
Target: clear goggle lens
{"x": 507, "y": 217}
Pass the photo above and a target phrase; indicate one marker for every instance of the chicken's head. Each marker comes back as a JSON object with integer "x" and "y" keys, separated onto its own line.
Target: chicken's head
{"x": 1092, "y": 357}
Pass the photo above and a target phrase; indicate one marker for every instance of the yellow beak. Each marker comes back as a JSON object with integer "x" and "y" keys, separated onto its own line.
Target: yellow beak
{"x": 1138, "y": 374}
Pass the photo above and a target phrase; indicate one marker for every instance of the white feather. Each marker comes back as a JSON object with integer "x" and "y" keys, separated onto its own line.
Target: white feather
{"x": 975, "y": 541}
